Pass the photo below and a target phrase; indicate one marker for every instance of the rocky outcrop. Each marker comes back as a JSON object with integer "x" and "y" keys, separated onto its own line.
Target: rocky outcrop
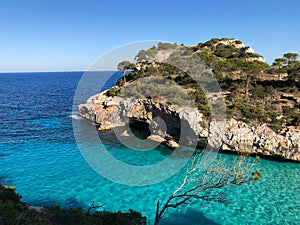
{"x": 233, "y": 42}
{"x": 256, "y": 58}
{"x": 170, "y": 123}
{"x": 240, "y": 137}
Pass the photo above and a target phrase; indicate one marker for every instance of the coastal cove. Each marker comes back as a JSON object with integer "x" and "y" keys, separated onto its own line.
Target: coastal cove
{"x": 39, "y": 155}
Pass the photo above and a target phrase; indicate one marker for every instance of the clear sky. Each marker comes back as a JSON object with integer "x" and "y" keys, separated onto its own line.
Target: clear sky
{"x": 43, "y": 35}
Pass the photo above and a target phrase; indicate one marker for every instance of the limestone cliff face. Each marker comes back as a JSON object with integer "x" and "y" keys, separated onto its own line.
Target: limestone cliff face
{"x": 110, "y": 112}
{"x": 164, "y": 119}
{"x": 239, "y": 136}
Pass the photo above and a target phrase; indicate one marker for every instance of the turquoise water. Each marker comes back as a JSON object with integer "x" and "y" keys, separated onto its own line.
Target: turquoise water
{"x": 39, "y": 155}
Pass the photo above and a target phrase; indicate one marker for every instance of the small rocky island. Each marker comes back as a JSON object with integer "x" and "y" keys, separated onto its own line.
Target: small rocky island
{"x": 262, "y": 101}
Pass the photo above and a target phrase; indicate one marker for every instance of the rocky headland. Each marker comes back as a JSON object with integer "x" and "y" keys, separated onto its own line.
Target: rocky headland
{"x": 262, "y": 101}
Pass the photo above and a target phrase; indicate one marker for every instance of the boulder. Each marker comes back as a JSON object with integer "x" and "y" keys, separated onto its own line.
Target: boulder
{"x": 157, "y": 138}
{"x": 172, "y": 144}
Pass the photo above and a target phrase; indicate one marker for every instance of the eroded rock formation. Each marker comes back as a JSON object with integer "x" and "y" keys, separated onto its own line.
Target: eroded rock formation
{"x": 170, "y": 122}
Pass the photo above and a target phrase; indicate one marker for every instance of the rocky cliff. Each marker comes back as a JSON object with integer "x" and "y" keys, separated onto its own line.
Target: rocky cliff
{"x": 186, "y": 125}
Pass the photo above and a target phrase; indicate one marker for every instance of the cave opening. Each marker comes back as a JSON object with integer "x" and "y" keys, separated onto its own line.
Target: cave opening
{"x": 139, "y": 128}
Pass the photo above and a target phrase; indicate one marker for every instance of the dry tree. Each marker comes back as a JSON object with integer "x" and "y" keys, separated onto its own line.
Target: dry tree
{"x": 204, "y": 175}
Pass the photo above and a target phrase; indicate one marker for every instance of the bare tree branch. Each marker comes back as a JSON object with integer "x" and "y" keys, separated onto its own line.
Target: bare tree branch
{"x": 203, "y": 176}
{"x": 92, "y": 206}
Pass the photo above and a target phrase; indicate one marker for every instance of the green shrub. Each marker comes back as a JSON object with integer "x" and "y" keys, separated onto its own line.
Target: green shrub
{"x": 258, "y": 91}
{"x": 248, "y": 112}
{"x": 112, "y": 92}
{"x": 225, "y": 51}
{"x": 14, "y": 212}
{"x": 292, "y": 116}
{"x": 156, "y": 87}
{"x": 166, "y": 46}
{"x": 120, "y": 82}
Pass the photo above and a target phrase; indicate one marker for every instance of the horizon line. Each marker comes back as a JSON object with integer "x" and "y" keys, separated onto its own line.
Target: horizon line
{"x": 58, "y": 71}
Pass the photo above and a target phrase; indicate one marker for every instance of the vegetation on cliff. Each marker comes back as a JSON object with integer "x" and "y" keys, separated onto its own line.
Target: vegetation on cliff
{"x": 255, "y": 92}
{"x": 13, "y": 211}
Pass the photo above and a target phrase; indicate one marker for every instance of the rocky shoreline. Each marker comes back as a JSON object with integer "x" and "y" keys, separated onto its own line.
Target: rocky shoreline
{"x": 236, "y": 136}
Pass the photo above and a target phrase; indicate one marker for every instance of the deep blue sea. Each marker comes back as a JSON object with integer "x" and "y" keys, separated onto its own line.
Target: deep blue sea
{"x": 39, "y": 155}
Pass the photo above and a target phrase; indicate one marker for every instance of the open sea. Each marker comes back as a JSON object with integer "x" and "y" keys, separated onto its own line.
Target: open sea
{"x": 39, "y": 155}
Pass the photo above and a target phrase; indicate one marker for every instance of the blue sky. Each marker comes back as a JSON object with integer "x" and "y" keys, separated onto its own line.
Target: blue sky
{"x": 70, "y": 35}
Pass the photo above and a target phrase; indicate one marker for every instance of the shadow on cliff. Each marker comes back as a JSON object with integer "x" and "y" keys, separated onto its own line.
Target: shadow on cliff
{"x": 191, "y": 217}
